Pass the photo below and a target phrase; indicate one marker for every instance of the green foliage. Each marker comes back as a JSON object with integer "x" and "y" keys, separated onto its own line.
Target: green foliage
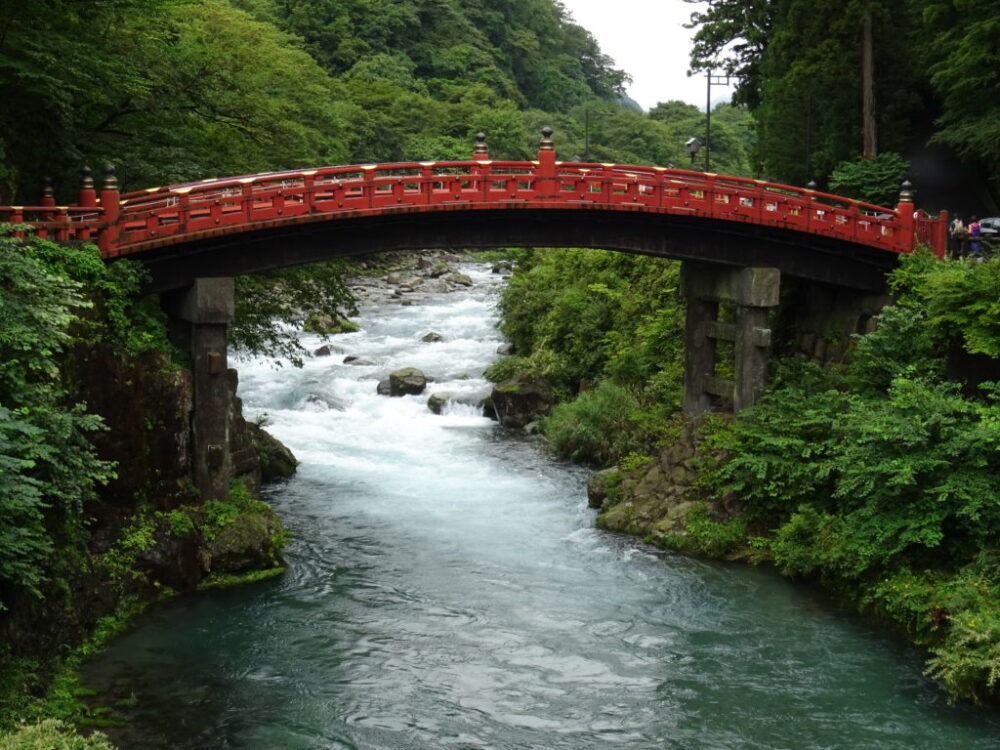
{"x": 49, "y": 469}
{"x": 884, "y": 481}
{"x": 506, "y": 368}
{"x": 580, "y": 316}
{"x": 596, "y": 427}
{"x": 875, "y": 180}
{"x": 710, "y": 537}
{"x": 270, "y": 307}
{"x": 800, "y": 74}
{"x": 51, "y": 734}
{"x": 965, "y": 73}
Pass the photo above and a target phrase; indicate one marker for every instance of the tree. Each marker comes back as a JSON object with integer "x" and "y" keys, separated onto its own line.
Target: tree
{"x": 965, "y": 74}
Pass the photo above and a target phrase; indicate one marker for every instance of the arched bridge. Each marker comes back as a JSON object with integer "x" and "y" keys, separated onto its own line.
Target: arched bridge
{"x": 230, "y": 226}
{"x": 736, "y": 236}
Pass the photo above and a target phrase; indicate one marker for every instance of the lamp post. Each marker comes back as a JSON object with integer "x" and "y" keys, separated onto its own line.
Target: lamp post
{"x": 711, "y": 79}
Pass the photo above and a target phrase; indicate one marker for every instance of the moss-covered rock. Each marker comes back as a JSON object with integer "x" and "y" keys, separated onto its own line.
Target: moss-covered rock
{"x": 662, "y": 503}
{"x": 522, "y": 400}
{"x": 276, "y": 460}
{"x": 248, "y": 541}
{"x": 407, "y": 381}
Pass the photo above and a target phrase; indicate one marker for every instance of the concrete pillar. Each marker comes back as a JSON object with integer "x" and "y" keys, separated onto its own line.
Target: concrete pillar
{"x": 754, "y": 291}
{"x": 753, "y": 341}
{"x": 699, "y": 354}
{"x": 206, "y": 308}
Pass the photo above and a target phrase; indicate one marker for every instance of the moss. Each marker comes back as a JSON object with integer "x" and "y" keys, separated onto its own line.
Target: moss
{"x": 223, "y": 581}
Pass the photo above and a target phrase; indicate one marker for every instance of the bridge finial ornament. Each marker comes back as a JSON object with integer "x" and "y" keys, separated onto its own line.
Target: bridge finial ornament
{"x": 110, "y": 181}
{"x": 906, "y": 192}
{"x": 811, "y": 185}
{"x": 86, "y": 179}
{"x": 546, "y": 144}
{"x": 48, "y": 192}
{"x": 481, "y": 152}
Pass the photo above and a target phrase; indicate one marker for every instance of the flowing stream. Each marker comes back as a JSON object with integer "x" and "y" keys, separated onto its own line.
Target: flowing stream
{"x": 446, "y": 589}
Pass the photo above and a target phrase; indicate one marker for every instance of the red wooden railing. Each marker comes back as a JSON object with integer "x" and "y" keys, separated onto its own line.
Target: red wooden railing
{"x": 131, "y": 223}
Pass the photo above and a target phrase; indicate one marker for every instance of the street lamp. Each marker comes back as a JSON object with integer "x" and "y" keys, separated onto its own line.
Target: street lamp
{"x": 692, "y": 145}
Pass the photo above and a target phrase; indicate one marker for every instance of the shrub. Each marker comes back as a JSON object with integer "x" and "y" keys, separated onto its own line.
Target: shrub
{"x": 52, "y": 735}
{"x": 597, "y": 427}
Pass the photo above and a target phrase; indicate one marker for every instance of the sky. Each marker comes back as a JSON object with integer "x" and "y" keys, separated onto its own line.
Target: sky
{"x": 646, "y": 39}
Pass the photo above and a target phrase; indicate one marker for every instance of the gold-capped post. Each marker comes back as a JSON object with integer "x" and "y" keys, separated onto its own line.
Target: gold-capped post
{"x": 110, "y": 181}
{"x": 480, "y": 152}
{"x": 87, "y": 197}
{"x": 546, "y": 143}
{"x": 48, "y": 193}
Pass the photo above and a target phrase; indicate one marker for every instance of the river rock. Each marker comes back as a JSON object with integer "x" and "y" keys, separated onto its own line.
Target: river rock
{"x": 324, "y": 351}
{"x": 276, "y": 461}
{"x": 522, "y": 399}
{"x": 598, "y": 486}
{"x": 435, "y": 286}
{"x": 357, "y": 361}
{"x": 439, "y": 269}
{"x": 438, "y": 401}
{"x": 505, "y": 349}
{"x": 327, "y": 325}
{"x": 432, "y": 337}
{"x": 384, "y": 388}
{"x": 407, "y": 382}
{"x": 459, "y": 279}
{"x": 247, "y": 542}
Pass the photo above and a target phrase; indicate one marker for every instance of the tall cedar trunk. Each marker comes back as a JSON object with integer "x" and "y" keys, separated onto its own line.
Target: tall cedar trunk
{"x": 869, "y": 148}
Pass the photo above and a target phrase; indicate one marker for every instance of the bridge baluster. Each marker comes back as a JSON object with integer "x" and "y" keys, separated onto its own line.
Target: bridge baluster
{"x": 86, "y": 198}
{"x": 309, "y": 192}
{"x": 480, "y": 152}
{"x": 107, "y": 235}
{"x": 905, "y": 216}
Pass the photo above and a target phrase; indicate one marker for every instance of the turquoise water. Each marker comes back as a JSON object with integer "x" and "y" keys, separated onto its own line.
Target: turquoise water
{"x": 446, "y": 589}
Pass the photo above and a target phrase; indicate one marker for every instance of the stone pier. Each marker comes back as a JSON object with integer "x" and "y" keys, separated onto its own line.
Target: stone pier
{"x": 200, "y": 315}
{"x": 753, "y": 292}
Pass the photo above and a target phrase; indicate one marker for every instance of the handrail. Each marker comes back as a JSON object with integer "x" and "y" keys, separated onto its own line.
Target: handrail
{"x": 140, "y": 220}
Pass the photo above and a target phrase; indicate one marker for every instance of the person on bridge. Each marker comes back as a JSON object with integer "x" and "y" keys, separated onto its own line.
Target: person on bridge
{"x": 975, "y": 232}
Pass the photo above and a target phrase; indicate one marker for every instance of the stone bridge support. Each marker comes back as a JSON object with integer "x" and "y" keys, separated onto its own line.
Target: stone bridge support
{"x": 200, "y": 315}
{"x": 753, "y": 292}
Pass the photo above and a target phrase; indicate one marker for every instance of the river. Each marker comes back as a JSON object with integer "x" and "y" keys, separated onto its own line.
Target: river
{"x": 446, "y": 589}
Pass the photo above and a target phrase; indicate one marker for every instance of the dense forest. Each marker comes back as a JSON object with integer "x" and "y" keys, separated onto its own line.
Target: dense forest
{"x": 828, "y": 82}
{"x": 172, "y": 90}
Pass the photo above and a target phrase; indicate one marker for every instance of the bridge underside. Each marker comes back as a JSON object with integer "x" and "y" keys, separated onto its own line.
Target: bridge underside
{"x": 725, "y": 262}
{"x": 725, "y": 243}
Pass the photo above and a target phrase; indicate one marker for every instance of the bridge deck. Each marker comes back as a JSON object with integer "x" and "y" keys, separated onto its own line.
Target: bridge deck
{"x": 131, "y": 224}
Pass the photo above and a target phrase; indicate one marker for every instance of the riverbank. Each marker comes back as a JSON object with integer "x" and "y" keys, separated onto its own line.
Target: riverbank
{"x": 875, "y": 475}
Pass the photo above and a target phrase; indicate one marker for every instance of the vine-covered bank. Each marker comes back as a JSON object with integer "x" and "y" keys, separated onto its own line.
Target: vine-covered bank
{"x": 100, "y": 515}
{"x": 879, "y": 477}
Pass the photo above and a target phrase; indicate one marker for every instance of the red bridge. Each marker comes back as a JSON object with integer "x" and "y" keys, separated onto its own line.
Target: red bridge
{"x": 738, "y": 238}
{"x": 250, "y": 223}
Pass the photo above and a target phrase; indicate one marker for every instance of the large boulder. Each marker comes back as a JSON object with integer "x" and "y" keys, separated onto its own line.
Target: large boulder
{"x": 249, "y": 541}
{"x": 521, "y": 400}
{"x": 407, "y": 382}
{"x": 600, "y": 485}
{"x": 276, "y": 461}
